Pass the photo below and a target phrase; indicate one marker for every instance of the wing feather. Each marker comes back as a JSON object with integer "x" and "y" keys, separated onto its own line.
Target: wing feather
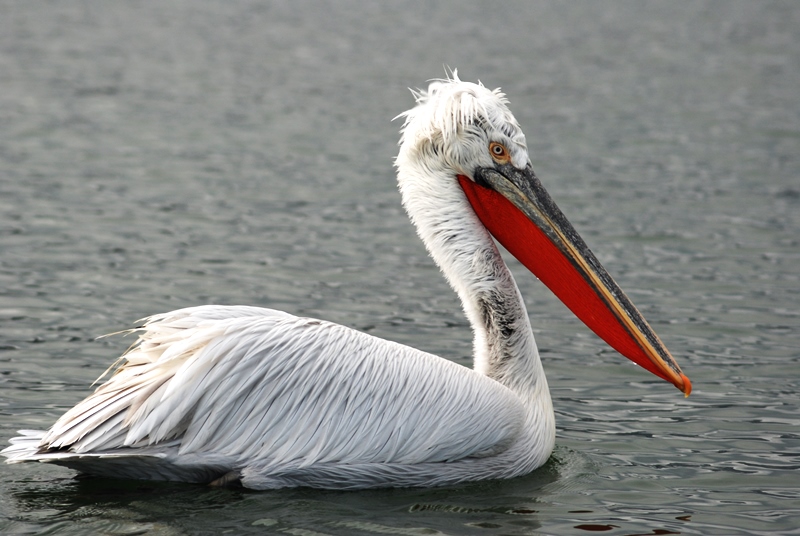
{"x": 261, "y": 386}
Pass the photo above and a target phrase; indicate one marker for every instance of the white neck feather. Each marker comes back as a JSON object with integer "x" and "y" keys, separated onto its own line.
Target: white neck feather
{"x": 504, "y": 347}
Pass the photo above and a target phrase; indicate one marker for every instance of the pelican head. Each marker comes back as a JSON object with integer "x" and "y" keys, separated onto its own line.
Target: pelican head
{"x": 463, "y": 165}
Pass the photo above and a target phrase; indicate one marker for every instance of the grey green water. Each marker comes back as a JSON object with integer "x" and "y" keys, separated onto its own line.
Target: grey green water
{"x": 161, "y": 155}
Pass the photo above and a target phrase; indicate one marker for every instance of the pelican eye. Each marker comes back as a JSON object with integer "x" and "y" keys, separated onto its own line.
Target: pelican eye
{"x": 499, "y": 153}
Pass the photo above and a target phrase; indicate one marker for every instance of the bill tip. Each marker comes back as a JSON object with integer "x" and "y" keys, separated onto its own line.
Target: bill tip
{"x": 686, "y": 385}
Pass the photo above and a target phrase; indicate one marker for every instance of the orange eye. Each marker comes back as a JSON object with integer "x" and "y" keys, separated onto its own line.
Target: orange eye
{"x": 499, "y": 153}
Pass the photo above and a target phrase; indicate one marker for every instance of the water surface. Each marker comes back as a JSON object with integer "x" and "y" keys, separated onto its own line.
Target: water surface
{"x": 173, "y": 154}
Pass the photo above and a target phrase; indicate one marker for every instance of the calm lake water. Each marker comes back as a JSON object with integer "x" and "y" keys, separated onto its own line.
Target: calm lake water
{"x": 160, "y": 155}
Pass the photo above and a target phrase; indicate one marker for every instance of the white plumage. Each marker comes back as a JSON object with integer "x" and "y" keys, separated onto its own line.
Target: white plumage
{"x": 218, "y": 394}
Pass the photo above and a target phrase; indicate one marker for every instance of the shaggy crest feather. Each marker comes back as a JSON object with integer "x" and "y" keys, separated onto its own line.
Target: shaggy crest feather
{"x": 451, "y": 108}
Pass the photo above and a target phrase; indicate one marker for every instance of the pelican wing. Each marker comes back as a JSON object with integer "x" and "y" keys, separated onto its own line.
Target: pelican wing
{"x": 257, "y": 385}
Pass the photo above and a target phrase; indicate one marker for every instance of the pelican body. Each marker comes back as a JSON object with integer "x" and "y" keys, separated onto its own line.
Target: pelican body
{"x": 222, "y": 395}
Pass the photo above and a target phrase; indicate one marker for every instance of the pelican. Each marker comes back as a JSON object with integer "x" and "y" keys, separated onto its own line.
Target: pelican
{"x": 264, "y": 399}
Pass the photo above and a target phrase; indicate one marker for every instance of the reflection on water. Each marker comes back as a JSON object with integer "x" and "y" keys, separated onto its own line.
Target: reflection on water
{"x": 129, "y": 507}
{"x": 83, "y": 505}
{"x": 240, "y": 153}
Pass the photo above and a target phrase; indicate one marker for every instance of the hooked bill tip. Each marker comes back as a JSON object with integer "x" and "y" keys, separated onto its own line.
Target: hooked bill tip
{"x": 686, "y": 386}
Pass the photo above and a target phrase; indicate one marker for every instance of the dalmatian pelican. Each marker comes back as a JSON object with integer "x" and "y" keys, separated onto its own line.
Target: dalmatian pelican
{"x": 264, "y": 399}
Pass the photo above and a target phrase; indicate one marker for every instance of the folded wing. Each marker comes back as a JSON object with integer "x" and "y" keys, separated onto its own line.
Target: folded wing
{"x": 251, "y": 385}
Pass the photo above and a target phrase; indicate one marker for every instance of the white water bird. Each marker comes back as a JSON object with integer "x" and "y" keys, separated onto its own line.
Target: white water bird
{"x": 246, "y": 395}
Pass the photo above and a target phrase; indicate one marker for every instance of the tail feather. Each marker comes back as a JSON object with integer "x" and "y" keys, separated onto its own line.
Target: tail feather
{"x": 23, "y": 448}
{"x": 138, "y": 464}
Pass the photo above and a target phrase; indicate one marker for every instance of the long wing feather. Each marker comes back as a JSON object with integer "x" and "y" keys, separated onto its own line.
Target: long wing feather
{"x": 256, "y": 385}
